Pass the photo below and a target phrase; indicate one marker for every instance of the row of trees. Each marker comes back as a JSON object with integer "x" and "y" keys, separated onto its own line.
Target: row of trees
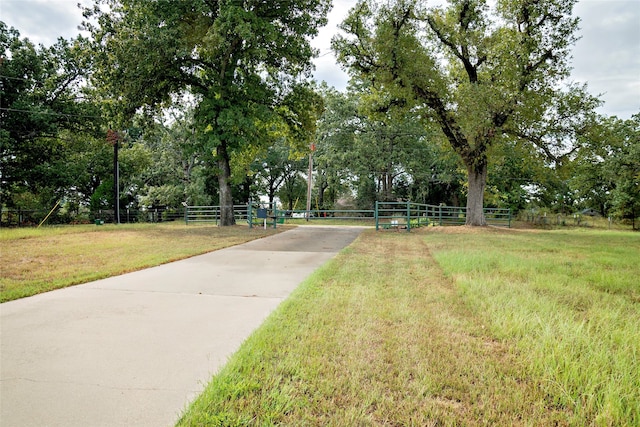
{"x": 213, "y": 104}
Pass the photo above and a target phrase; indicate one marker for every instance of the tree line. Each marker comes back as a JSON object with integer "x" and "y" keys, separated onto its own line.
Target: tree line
{"x": 212, "y": 102}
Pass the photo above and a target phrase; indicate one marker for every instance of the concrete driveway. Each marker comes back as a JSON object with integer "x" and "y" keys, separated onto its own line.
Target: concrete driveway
{"x": 134, "y": 350}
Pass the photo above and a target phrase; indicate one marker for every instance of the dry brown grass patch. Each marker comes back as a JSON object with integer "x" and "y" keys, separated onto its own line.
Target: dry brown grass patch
{"x": 55, "y": 258}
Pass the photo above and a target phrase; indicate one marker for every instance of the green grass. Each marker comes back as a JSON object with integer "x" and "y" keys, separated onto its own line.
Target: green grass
{"x": 39, "y": 260}
{"x": 442, "y": 326}
{"x": 569, "y": 302}
{"x": 447, "y": 327}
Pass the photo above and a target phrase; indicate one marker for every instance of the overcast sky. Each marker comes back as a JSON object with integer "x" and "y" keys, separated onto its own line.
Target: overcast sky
{"x": 607, "y": 57}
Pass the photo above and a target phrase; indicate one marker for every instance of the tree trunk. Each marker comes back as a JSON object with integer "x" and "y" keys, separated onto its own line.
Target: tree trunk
{"x": 226, "y": 197}
{"x": 271, "y": 194}
{"x": 475, "y": 198}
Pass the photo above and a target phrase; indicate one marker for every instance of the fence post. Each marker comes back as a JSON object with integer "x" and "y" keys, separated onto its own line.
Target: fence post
{"x": 375, "y": 214}
{"x": 408, "y": 217}
{"x": 275, "y": 216}
{"x": 440, "y": 214}
{"x": 250, "y": 213}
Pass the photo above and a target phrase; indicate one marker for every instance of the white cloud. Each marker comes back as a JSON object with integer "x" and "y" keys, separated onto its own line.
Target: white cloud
{"x": 327, "y": 69}
{"x": 607, "y": 57}
{"x": 42, "y": 21}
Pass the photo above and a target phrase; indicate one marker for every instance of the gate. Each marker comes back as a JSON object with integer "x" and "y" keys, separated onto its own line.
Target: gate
{"x": 408, "y": 215}
{"x": 387, "y": 215}
{"x": 211, "y": 214}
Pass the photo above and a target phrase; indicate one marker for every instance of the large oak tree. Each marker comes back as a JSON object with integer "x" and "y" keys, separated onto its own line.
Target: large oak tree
{"x": 481, "y": 73}
{"x": 243, "y": 61}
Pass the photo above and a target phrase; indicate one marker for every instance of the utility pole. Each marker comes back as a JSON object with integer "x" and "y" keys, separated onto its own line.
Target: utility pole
{"x": 113, "y": 138}
{"x": 116, "y": 181}
{"x": 310, "y": 180}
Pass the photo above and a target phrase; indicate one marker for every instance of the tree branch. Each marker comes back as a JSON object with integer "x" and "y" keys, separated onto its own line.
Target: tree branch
{"x": 463, "y": 53}
{"x": 446, "y": 120}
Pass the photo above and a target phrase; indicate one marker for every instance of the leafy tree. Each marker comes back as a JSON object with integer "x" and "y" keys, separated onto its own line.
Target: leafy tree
{"x": 436, "y": 176}
{"x": 336, "y": 131}
{"x": 479, "y": 73}
{"x": 277, "y": 168}
{"x": 44, "y": 118}
{"x": 292, "y": 191}
{"x": 176, "y": 172}
{"x": 383, "y": 150}
{"x": 241, "y": 61}
{"x": 606, "y": 171}
{"x": 514, "y": 168}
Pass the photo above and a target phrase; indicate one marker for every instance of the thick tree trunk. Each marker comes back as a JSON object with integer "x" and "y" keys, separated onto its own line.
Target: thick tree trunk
{"x": 475, "y": 197}
{"x": 226, "y": 197}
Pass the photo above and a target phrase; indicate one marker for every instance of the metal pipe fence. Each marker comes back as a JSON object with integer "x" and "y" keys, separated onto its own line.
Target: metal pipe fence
{"x": 28, "y": 218}
{"x": 211, "y": 214}
{"x": 386, "y": 215}
{"x": 407, "y": 215}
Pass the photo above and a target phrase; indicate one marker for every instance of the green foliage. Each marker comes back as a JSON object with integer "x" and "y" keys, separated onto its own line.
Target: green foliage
{"x": 335, "y": 135}
{"x": 278, "y": 172}
{"x": 480, "y": 75}
{"x": 293, "y": 193}
{"x": 606, "y": 172}
{"x": 553, "y": 295}
{"x": 623, "y": 168}
{"x": 44, "y": 119}
{"x": 243, "y": 62}
{"x": 362, "y": 139}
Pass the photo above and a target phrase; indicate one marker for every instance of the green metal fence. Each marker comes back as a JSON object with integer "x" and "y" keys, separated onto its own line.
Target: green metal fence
{"x": 386, "y": 215}
{"x": 408, "y": 215}
{"x": 211, "y": 214}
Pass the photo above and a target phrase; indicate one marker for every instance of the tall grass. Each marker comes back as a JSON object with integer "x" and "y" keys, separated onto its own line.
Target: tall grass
{"x": 378, "y": 336}
{"x": 569, "y": 301}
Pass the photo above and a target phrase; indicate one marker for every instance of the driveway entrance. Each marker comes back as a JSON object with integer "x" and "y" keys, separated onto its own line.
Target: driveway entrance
{"x": 135, "y": 349}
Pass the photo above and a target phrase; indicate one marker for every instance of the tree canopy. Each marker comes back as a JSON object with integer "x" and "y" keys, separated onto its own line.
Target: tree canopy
{"x": 479, "y": 73}
{"x": 215, "y": 105}
{"x": 42, "y": 111}
{"x": 244, "y": 62}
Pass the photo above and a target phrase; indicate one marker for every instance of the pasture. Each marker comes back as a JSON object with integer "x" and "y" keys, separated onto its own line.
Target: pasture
{"x": 447, "y": 326}
{"x": 441, "y": 326}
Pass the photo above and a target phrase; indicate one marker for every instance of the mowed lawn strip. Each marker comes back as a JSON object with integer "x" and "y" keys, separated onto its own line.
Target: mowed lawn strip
{"x": 39, "y": 260}
{"x": 377, "y": 336}
{"x": 568, "y": 301}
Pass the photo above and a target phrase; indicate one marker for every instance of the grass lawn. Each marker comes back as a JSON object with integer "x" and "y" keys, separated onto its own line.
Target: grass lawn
{"x": 447, "y": 326}
{"x": 39, "y": 260}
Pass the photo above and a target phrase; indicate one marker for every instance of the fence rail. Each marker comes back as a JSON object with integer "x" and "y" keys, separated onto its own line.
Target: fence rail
{"x": 28, "y": 218}
{"x": 211, "y": 214}
{"x": 407, "y": 215}
{"x": 397, "y": 215}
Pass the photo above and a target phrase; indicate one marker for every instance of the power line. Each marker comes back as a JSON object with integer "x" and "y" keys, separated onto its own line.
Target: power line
{"x": 17, "y": 78}
{"x": 49, "y": 113}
